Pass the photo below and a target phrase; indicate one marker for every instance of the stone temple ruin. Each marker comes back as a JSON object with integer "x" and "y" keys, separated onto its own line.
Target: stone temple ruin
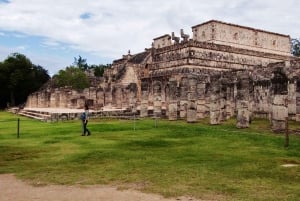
{"x": 222, "y": 70}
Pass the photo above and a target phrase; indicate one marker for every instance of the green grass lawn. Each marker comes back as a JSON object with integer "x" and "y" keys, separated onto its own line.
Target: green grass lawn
{"x": 173, "y": 159}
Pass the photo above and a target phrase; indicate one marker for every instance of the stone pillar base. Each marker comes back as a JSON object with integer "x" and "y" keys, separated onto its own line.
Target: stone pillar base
{"x": 191, "y": 116}
{"x": 144, "y": 110}
{"x": 243, "y": 118}
{"x": 279, "y": 113}
{"x": 172, "y": 111}
{"x": 243, "y": 114}
{"x": 278, "y": 126}
{"x": 214, "y": 117}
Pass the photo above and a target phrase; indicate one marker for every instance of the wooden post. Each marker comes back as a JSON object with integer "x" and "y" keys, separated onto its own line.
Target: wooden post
{"x": 134, "y": 122}
{"x": 18, "y": 130}
{"x": 286, "y": 144}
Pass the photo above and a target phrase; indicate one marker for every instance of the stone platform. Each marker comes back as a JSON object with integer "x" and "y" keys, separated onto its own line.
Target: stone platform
{"x": 61, "y": 114}
{"x": 52, "y": 114}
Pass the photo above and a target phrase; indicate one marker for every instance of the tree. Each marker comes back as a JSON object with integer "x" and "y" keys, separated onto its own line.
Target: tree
{"x": 80, "y": 63}
{"x": 73, "y": 77}
{"x": 295, "y": 45}
{"x": 99, "y": 69}
{"x": 19, "y": 78}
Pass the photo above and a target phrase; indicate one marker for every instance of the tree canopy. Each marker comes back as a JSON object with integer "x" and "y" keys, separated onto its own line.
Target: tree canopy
{"x": 75, "y": 76}
{"x": 99, "y": 69}
{"x": 18, "y": 78}
{"x": 80, "y": 63}
{"x": 72, "y": 76}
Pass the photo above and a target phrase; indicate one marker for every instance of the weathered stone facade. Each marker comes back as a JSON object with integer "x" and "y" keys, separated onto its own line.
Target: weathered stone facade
{"x": 225, "y": 70}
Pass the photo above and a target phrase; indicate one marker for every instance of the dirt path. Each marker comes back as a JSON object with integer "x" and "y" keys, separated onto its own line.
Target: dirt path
{"x": 12, "y": 189}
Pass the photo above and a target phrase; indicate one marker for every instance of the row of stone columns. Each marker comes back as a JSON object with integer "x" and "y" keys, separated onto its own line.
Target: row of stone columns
{"x": 225, "y": 100}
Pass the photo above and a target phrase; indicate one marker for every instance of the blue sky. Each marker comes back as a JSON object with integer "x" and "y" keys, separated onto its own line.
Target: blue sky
{"x": 52, "y": 33}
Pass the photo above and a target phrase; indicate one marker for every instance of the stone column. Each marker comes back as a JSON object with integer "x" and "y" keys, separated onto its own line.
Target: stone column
{"x": 243, "y": 113}
{"x": 298, "y": 107}
{"x": 52, "y": 99}
{"x": 63, "y": 99}
{"x": 297, "y": 96}
{"x": 230, "y": 101}
{"x": 132, "y": 102}
{"x": 108, "y": 96}
{"x": 42, "y": 99}
{"x": 279, "y": 112}
{"x": 191, "y": 111}
{"x": 222, "y": 95}
{"x": 144, "y": 101}
{"x": 172, "y": 107}
{"x": 243, "y": 116}
{"x": 183, "y": 98}
{"x": 157, "y": 99}
{"x": 214, "y": 109}
{"x": 292, "y": 96}
{"x": 118, "y": 96}
{"x": 279, "y": 102}
{"x": 192, "y": 96}
{"x": 99, "y": 98}
{"x": 92, "y": 97}
{"x": 132, "y": 97}
{"x": 214, "y": 101}
{"x": 201, "y": 103}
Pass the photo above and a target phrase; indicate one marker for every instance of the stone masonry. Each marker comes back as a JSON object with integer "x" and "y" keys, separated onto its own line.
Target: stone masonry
{"x": 223, "y": 70}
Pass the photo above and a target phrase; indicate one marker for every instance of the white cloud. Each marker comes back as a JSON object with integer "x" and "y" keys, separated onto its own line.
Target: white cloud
{"x": 50, "y": 43}
{"x": 109, "y": 28}
{"x": 21, "y": 48}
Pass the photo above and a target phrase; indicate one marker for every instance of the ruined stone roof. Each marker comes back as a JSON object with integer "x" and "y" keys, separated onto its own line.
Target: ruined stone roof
{"x": 139, "y": 58}
{"x": 240, "y": 26}
{"x": 166, "y": 35}
{"x": 119, "y": 61}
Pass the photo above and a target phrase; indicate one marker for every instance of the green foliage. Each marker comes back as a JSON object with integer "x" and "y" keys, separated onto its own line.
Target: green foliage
{"x": 295, "y": 44}
{"x": 173, "y": 159}
{"x": 73, "y": 77}
{"x": 80, "y": 63}
{"x": 99, "y": 69}
{"x": 19, "y": 78}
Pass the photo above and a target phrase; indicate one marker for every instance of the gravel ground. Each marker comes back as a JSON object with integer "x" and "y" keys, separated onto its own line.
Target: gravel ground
{"x": 12, "y": 189}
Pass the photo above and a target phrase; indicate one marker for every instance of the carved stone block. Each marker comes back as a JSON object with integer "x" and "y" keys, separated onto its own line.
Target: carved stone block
{"x": 172, "y": 111}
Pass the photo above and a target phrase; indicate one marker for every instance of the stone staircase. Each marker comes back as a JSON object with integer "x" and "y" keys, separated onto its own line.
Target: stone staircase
{"x": 50, "y": 114}
{"x": 61, "y": 114}
{"x": 39, "y": 115}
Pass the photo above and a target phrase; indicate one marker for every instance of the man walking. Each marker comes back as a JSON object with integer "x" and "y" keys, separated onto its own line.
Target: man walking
{"x": 85, "y": 118}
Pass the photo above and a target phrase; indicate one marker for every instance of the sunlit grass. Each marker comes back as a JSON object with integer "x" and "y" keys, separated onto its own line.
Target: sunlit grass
{"x": 173, "y": 158}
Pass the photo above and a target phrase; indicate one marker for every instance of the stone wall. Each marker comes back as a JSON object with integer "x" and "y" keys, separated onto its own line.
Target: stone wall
{"x": 162, "y": 41}
{"x": 242, "y": 37}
